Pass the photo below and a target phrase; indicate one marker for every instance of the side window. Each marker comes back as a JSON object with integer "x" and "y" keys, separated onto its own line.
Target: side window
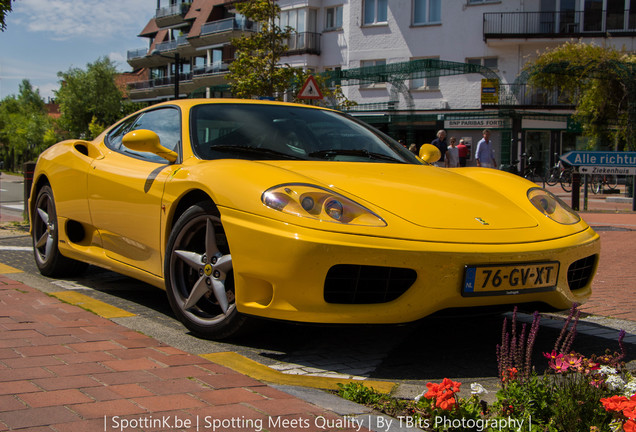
{"x": 165, "y": 122}
{"x": 113, "y": 140}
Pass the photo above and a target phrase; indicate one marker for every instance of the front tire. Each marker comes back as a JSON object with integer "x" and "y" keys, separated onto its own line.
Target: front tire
{"x": 199, "y": 277}
{"x": 45, "y": 235}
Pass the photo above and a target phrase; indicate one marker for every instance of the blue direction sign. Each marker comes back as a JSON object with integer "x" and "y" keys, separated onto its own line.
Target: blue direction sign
{"x": 600, "y": 158}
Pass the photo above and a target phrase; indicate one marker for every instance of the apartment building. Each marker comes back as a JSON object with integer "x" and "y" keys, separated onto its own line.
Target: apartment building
{"x": 413, "y": 66}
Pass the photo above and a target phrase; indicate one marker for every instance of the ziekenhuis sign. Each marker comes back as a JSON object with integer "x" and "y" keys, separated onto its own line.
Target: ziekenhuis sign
{"x": 598, "y": 162}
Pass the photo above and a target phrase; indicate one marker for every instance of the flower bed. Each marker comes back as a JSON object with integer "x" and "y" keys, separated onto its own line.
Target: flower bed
{"x": 577, "y": 393}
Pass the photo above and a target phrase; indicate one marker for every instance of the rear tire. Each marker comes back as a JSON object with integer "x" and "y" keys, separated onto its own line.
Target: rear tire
{"x": 45, "y": 235}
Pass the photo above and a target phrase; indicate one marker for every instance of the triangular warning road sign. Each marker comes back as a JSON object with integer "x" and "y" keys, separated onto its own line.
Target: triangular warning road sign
{"x": 310, "y": 89}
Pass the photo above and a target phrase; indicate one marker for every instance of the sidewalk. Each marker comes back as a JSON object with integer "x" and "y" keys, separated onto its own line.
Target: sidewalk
{"x": 65, "y": 369}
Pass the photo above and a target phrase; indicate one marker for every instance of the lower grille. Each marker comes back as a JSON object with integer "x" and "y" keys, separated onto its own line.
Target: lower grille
{"x": 361, "y": 284}
{"x": 580, "y": 272}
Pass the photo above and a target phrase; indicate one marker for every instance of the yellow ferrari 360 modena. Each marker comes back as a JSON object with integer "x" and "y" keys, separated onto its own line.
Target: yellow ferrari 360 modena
{"x": 241, "y": 208}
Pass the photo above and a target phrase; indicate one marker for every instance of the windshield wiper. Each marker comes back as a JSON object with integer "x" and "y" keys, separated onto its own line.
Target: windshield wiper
{"x": 252, "y": 150}
{"x": 366, "y": 153}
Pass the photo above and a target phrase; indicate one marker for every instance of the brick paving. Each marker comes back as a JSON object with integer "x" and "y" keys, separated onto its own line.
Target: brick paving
{"x": 65, "y": 369}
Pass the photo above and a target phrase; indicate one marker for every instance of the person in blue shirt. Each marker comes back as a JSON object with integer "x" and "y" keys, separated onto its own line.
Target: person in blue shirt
{"x": 485, "y": 154}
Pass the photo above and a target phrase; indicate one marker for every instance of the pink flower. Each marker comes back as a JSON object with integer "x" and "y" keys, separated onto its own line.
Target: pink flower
{"x": 552, "y": 356}
{"x": 573, "y": 361}
{"x": 559, "y": 365}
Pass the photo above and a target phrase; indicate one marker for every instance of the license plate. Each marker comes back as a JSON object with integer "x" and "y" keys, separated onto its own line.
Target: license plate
{"x": 510, "y": 279}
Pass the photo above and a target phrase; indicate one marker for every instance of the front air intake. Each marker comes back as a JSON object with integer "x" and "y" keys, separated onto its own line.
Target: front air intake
{"x": 362, "y": 284}
{"x": 580, "y": 272}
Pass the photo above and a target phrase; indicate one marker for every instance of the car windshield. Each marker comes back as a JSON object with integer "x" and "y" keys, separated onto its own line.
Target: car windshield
{"x": 280, "y": 132}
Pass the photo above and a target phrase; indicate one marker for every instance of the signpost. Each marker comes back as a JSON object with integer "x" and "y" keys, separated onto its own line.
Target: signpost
{"x": 310, "y": 89}
{"x": 603, "y": 163}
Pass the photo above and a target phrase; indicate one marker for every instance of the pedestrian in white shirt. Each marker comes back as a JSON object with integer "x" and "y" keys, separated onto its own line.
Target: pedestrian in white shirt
{"x": 485, "y": 154}
{"x": 452, "y": 154}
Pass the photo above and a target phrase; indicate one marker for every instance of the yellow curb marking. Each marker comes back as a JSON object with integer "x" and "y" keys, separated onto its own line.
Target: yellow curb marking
{"x": 261, "y": 372}
{"x": 5, "y": 269}
{"x": 98, "y": 307}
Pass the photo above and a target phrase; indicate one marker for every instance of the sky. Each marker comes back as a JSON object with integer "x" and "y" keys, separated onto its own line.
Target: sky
{"x": 44, "y": 37}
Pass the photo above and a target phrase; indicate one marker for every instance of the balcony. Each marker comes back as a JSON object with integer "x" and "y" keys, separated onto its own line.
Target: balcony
{"x": 171, "y": 15}
{"x": 566, "y": 24}
{"x": 213, "y": 69}
{"x": 222, "y": 31}
{"x": 524, "y": 95}
{"x": 303, "y": 43}
{"x": 159, "y": 82}
{"x": 137, "y": 53}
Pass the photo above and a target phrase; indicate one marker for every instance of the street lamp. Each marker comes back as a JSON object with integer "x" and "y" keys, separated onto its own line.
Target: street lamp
{"x": 177, "y": 63}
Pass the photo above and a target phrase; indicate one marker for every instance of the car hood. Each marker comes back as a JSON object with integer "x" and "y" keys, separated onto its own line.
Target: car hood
{"x": 426, "y": 196}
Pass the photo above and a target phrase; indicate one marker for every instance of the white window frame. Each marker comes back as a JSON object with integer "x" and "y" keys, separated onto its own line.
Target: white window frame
{"x": 376, "y": 5}
{"x": 481, "y": 2}
{"x": 336, "y": 15}
{"x": 482, "y": 61}
{"x": 426, "y": 5}
{"x": 372, "y": 62}
{"x": 425, "y": 84}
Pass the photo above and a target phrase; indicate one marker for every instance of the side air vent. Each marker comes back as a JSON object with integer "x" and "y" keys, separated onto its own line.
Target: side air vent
{"x": 81, "y": 148}
{"x": 361, "y": 284}
{"x": 580, "y": 272}
{"x": 75, "y": 231}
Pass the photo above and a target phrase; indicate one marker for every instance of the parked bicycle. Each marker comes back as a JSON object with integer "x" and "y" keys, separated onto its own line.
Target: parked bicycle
{"x": 559, "y": 173}
{"x": 599, "y": 181}
{"x": 553, "y": 175}
{"x": 530, "y": 170}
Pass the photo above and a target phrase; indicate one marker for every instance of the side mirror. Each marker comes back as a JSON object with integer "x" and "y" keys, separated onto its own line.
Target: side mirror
{"x": 144, "y": 140}
{"x": 429, "y": 153}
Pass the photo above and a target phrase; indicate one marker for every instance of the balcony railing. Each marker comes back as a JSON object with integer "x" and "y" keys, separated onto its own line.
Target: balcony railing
{"x": 225, "y": 25}
{"x": 177, "y": 9}
{"x": 215, "y": 68}
{"x": 557, "y": 24}
{"x": 137, "y": 53}
{"x": 166, "y": 46}
{"x": 530, "y": 96}
{"x": 303, "y": 43}
{"x": 159, "y": 82}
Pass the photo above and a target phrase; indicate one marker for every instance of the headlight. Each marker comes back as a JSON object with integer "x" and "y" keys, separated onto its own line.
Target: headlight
{"x": 551, "y": 206}
{"x": 321, "y": 204}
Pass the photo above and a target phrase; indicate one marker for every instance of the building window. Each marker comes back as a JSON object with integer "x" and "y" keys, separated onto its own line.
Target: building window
{"x": 427, "y": 11}
{"x": 302, "y": 21}
{"x": 424, "y": 80}
{"x": 476, "y": 2}
{"x": 371, "y": 82}
{"x": 489, "y": 62}
{"x": 375, "y": 11}
{"x": 334, "y": 18}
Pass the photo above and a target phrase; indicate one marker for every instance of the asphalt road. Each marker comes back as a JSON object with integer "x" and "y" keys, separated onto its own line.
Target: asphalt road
{"x": 456, "y": 344}
{"x": 11, "y": 197}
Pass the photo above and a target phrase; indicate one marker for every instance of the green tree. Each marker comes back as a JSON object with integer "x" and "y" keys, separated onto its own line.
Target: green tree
{"x": 600, "y": 81}
{"x": 5, "y": 8}
{"x": 90, "y": 99}
{"x": 256, "y": 71}
{"x": 25, "y": 127}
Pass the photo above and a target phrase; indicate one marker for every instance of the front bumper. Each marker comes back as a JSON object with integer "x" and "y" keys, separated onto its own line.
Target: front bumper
{"x": 280, "y": 270}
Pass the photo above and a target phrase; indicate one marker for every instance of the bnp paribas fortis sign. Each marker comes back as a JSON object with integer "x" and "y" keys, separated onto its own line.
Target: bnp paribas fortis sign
{"x": 489, "y": 91}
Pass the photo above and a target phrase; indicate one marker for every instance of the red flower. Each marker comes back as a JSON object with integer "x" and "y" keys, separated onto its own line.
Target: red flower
{"x": 443, "y": 393}
{"x": 614, "y": 403}
{"x": 629, "y": 426}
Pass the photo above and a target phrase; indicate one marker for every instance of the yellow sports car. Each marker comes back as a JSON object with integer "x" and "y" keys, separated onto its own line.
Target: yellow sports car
{"x": 244, "y": 208}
